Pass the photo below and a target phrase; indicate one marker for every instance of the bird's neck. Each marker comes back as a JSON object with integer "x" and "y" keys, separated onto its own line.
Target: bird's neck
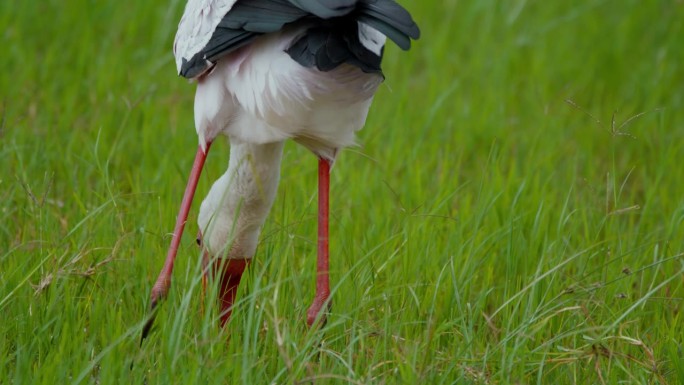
{"x": 238, "y": 203}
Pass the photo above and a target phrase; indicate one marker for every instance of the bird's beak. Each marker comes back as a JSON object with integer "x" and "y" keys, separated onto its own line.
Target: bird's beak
{"x": 228, "y": 272}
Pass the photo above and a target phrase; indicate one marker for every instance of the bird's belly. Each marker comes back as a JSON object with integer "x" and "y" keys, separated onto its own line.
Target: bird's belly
{"x": 270, "y": 97}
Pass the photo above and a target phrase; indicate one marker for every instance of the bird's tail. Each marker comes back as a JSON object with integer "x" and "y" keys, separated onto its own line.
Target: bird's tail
{"x": 389, "y": 18}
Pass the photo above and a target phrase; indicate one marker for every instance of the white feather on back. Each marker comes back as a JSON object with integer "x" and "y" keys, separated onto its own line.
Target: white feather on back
{"x": 196, "y": 27}
{"x": 258, "y": 94}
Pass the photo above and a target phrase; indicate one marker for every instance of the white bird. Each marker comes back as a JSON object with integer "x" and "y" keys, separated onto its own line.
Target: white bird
{"x": 268, "y": 71}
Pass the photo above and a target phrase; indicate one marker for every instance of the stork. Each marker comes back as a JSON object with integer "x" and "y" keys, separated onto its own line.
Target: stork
{"x": 268, "y": 71}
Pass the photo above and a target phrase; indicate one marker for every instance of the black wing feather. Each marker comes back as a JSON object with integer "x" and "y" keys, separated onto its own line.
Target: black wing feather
{"x": 330, "y": 41}
{"x": 326, "y": 9}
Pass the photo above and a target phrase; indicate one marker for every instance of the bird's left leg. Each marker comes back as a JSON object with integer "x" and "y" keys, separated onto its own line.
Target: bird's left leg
{"x": 321, "y": 299}
{"x": 161, "y": 286}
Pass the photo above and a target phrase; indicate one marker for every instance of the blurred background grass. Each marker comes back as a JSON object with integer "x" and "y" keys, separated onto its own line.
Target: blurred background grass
{"x": 514, "y": 214}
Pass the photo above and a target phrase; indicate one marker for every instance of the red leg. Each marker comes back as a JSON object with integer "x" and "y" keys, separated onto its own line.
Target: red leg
{"x": 322, "y": 268}
{"x": 161, "y": 287}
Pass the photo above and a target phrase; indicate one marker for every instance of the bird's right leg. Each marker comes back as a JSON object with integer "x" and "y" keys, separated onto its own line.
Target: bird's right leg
{"x": 321, "y": 303}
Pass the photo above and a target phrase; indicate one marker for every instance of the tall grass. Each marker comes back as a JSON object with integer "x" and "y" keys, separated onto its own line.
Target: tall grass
{"x": 514, "y": 214}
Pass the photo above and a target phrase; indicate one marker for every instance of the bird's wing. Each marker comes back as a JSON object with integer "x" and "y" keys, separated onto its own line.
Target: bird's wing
{"x": 211, "y": 29}
{"x": 237, "y": 26}
{"x": 197, "y": 26}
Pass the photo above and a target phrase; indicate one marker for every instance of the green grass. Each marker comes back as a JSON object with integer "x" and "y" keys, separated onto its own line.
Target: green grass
{"x": 496, "y": 226}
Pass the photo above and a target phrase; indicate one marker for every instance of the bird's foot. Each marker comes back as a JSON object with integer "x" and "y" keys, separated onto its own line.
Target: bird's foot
{"x": 159, "y": 292}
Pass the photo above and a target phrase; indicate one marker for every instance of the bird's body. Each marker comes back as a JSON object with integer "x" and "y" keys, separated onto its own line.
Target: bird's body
{"x": 258, "y": 97}
{"x": 268, "y": 71}
{"x": 262, "y": 96}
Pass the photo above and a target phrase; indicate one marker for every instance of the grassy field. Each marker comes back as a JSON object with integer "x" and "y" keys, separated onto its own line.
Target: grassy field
{"x": 514, "y": 216}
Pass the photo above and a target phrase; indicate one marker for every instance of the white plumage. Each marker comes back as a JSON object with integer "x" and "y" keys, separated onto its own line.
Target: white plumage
{"x": 256, "y": 96}
{"x": 258, "y": 93}
{"x": 196, "y": 27}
